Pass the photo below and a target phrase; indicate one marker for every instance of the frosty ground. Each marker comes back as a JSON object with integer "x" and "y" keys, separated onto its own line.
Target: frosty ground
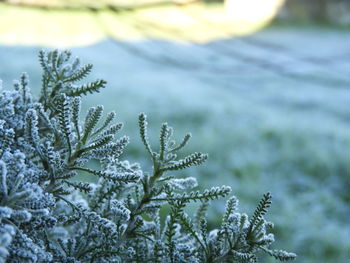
{"x": 271, "y": 109}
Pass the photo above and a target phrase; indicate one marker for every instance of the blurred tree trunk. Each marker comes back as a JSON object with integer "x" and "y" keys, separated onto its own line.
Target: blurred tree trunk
{"x": 313, "y": 10}
{"x": 318, "y": 10}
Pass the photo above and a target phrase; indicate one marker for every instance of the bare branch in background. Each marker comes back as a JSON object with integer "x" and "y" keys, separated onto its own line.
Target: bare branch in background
{"x": 106, "y": 7}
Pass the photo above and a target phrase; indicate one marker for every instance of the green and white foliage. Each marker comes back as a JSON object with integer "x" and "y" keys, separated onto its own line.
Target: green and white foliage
{"x": 48, "y": 215}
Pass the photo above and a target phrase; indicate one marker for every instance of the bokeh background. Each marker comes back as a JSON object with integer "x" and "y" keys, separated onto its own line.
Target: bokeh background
{"x": 263, "y": 85}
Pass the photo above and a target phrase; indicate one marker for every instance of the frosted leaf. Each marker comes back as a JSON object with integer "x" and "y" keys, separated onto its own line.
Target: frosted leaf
{"x": 184, "y": 183}
{"x": 120, "y": 212}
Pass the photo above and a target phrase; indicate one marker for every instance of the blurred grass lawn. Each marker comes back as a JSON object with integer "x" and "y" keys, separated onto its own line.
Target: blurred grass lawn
{"x": 263, "y": 132}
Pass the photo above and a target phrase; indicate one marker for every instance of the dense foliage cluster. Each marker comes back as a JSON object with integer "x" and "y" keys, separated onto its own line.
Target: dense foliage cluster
{"x": 47, "y": 215}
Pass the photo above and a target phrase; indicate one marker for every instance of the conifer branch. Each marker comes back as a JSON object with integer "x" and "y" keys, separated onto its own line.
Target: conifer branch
{"x": 191, "y": 160}
{"x": 261, "y": 210}
{"x": 89, "y": 88}
{"x": 143, "y": 132}
{"x": 49, "y": 212}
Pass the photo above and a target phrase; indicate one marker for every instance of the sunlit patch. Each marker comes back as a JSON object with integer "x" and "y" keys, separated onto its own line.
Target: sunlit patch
{"x": 196, "y": 22}
{"x": 252, "y": 13}
{"x": 30, "y": 26}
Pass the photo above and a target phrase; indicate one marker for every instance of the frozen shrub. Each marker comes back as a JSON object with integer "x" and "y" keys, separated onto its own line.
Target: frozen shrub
{"x": 47, "y": 215}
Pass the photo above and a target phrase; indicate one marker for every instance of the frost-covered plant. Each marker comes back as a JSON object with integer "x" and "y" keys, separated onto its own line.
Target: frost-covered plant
{"x": 47, "y": 215}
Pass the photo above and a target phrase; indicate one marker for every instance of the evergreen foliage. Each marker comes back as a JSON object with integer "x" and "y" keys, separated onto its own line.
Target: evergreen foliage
{"x": 46, "y": 215}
